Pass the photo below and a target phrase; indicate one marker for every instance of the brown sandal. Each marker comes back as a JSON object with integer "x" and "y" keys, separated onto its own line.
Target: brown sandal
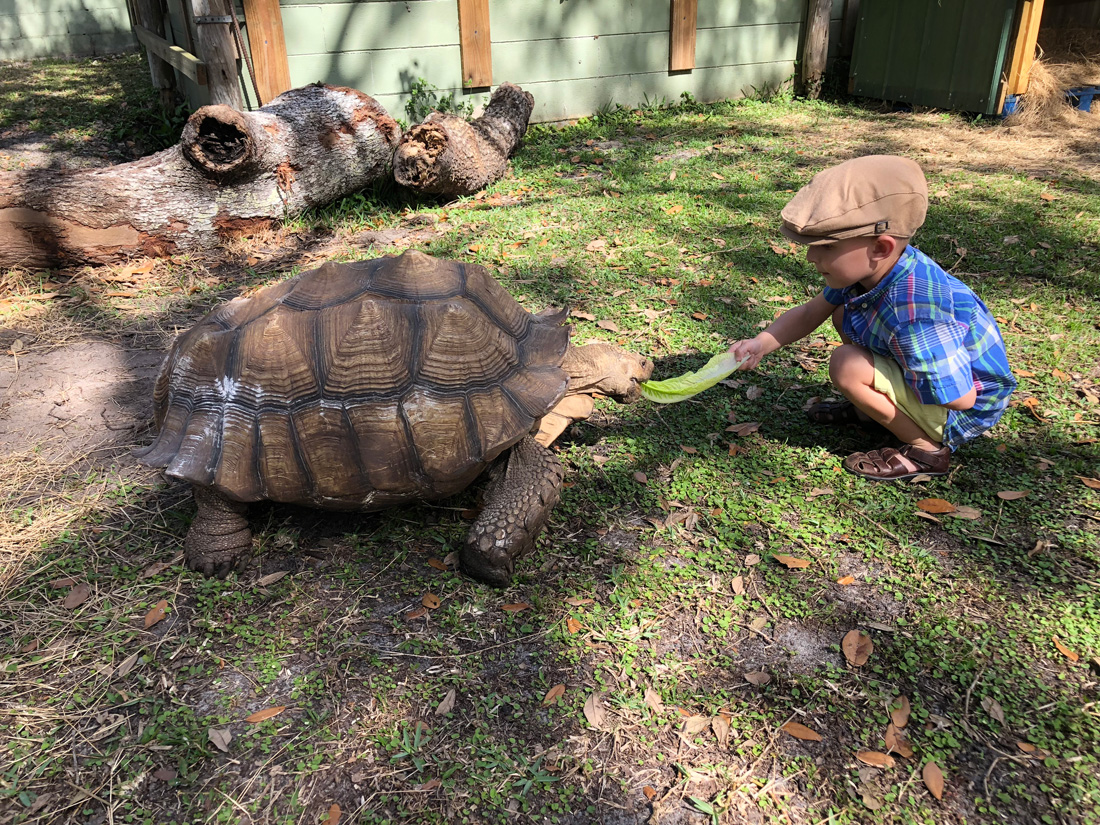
{"x": 887, "y": 465}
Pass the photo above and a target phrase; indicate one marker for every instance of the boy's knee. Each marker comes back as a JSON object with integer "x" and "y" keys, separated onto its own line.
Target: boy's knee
{"x": 851, "y": 364}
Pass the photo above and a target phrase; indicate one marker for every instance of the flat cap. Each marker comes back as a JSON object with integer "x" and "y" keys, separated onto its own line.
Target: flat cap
{"x": 872, "y": 195}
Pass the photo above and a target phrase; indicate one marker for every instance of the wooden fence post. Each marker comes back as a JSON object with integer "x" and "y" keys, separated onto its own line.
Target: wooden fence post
{"x": 218, "y": 51}
{"x": 475, "y": 43}
{"x": 150, "y": 14}
{"x": 681, "y": 35}
{"x": 1023, "y": 54}
{"x": 268, "y": 46}
{"x": 815, "y": 47}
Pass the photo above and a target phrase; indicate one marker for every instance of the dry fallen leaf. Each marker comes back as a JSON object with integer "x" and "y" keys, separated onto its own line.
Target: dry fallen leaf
{"x": 935, "y": 505}
{"x": 738, "y": 585}
{"x": 993, "y": 708}
{"x": 800, "y": 731}
{"x": 896, "y": 742}
{"x": 77, "y": 596}
{"x": 875, "y": 759}
{"x": 156, "y": 614}
{"x": 220, "y": 737}
{"x": 576, "y": 601}
{"x": 515, "y": 608}
{"x": 1026, "y": 747}
{"x": 752, "y": 559}
{"x": 966, "y": 512}
{"x": 586, "y": 316}
{"x": 649, "y": 791}
{"x": 416, "y": 614}
{"x": 694, "y": 724}
{"x": 672, "y": 210}
{"x": 334, "y": 814}
{"x": 933, "y": 779}
{"x": 654, "y": 701}
{"x": 721, "y": 727}
{"x": 758, "y": 624}
{"x": 899, "y": 711}
{"x": 846, "y": 580}
{"x": 744, "y": 429}
{"x": 430, "y": 601}
{"x": 599, "y": 243}
{"x": 641, "y": 477}
{"x": 127, "y": 665}
{"x": 610, "y": 326}
{"x": 791, "y": 561}
{"x": 552, "y": 695}
{"x": 594, "y": 711}
{"x": 1091, "y": 483}
{"x": 1065, "y": 651}
{"x": 572, "y": 625}
{"x": 267, "y": 713}
{"x": 857, "y": 647}
{"x": 758, "y": 678}
{"x": 1012, "y": 495}
{"x": 448, "y": 703}
{"x": 436, "y": 563}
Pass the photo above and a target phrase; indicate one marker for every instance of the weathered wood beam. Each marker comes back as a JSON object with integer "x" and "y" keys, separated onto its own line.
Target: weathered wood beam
{"x": 267, "y": 43}
{"x": 149, "y": 15}
{"x": 681, "y": 35}
{"x": 475, "y": 43}
{"x": 218, "y": 51}
{"x": 177, "y": 58}
{"x": 815, "y": 47}
{"x": 1023, "y": 53}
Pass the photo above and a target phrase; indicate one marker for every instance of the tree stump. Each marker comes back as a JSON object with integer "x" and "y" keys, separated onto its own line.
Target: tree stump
{"x": 231, "y": 173}
{"x": 446, "y": 155}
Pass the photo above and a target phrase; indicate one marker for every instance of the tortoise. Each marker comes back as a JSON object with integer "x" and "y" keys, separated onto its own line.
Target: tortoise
{"x": 366, "y": 385}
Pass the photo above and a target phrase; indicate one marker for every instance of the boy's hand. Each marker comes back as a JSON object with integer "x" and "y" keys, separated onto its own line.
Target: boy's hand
{"x": 750, "y": 350}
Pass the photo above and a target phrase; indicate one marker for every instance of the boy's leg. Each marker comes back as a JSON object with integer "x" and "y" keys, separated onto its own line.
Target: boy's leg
{"x": 852, "y": 369}
{"x": 838, "y": 412}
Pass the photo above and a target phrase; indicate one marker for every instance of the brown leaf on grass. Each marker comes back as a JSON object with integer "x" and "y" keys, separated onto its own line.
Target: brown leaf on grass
{"x": 846, "y": 580}
{"x": 927, "y": 517}
{"x": 758, "y": 678}
{"x": 744, "y": 429}
{"x": 933, "y": 779}
{"x": 875, "y": 759}
{"x": 220, "y": 738}
{"x": 1012, "y": 495}
{"x": 791, "y": 561}
{"x": 334, "y": 814}
{"x": 800, "y": 731}
{"x": 266, "y": 713}
{"x": 431, "y": 784}
{"x": 416, "y": 614}
{"x": 156, "y": 614}
{"x": 738, "y": 585}
{"x": 896, "y": 742}
{"x": 699, "y": 316}
{"x": 599, "y": 243}
{"x": 155, "y": 569}
{"x": 552, "y": 695}
{"x": 585, "y": 316}
{"x": 899, "y": 711}
{"x": 674, "y": 209}
{"x": 1065, "y": 651}
{"x": 610, "y": 326}
{"x": 127, "y": 665}
{"x": 515, "y": 608}
{"x": 857, "y": 647}
{"x": 572, "y": 625}
{"x": 1091, "y": 483}
{"x": 164, "y": 774}
{"x": 694, "y": 724}
{"x": 430, "y": 601}
{"x": 437, "y": 564}
{"x": 654, "y": 701}
{"x": 576, "y": 601}
{"x": 1061, "y": 376}
{"x": 594, "y": 711}
{"x": 641, "y": 477}
{"x": 649, "y": 791}
{"x": 965, "y": 512}
{"x": 819, "y": 491}
{"x": 753, "y": 392}
{"x": 721, "y": 727}
{"x": 448, "y": 703}
{"x": 759, "y": 623}
{"x": 57, "y": 584}
{"x": 993, "y": 708}
{"x": 936, "y": 505}
{"x": 77, "y": 596}
{"x": 752, "y": 559}
{"x": 271, "y": 578}
{"x": 1026, "y": 747}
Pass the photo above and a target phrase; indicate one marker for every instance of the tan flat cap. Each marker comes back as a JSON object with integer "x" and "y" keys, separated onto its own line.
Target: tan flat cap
{"x": 872, "y": 195}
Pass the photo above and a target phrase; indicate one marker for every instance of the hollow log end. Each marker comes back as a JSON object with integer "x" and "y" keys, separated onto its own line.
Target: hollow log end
{"x": 218, "y": 142}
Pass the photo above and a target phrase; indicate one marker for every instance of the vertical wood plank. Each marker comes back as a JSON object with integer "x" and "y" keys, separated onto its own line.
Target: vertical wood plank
{"x": 150, "y": 14}
{"x": 815, "y": 47}
{"x": 1023, "y": 54}
{"x": 218, "y": 52}
{"x": 475, "y": 43}
{"x": 681, "y": 35}
{"x": 268, "y": 47}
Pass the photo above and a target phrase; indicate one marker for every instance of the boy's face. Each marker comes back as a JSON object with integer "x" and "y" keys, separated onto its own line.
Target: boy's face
{"x": 844, "y": 263}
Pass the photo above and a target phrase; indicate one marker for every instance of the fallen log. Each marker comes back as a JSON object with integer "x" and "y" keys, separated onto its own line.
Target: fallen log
{"x": 232, "y": 173}
{"x": 446, "y": 155}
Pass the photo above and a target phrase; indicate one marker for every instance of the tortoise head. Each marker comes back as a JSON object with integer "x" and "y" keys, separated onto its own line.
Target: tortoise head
{"x": 608, "y": 370}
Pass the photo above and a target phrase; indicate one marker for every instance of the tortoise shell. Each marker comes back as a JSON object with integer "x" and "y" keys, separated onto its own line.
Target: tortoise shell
{"x": 356, "y": 385}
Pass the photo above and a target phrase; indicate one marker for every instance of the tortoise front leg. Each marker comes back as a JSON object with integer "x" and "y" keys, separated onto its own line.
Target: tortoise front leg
{"x": 517, "y": 505}
{"x": 219, "y": 539}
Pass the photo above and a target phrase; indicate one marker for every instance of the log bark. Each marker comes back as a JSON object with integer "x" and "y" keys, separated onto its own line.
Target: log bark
{"x": 446, "y": 155}
{"x": 230, "y": 174}
{"x": 815, "y": 47}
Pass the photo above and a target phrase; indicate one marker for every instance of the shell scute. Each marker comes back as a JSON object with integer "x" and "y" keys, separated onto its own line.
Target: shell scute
{"x": 446, "y": 449}
{"x": 460, "y": 348}
{"x": 328, "y": 285}
{"x": 275, "y": 360}
{"x": 367, "y": 347}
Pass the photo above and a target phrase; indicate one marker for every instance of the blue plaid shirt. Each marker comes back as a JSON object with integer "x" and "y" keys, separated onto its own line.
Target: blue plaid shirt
{"x": 940, "y": 333}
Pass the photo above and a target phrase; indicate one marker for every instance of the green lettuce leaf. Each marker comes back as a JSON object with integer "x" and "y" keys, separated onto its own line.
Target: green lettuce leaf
{"x": 672, "y": 390}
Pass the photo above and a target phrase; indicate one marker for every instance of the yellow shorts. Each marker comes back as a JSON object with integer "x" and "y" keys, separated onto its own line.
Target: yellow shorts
{"x": 889, "y": 381}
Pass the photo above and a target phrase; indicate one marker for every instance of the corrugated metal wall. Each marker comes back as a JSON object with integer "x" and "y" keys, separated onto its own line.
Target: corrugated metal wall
{"x": 947, "y": 54}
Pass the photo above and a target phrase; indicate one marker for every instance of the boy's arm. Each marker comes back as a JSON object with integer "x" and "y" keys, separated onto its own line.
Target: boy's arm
{"x": 792, "y": 325}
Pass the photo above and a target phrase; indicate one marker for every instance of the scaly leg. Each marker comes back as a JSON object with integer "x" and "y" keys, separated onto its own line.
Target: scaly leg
{"x": 517, "y": 505}
{"x": 219, "y": 539}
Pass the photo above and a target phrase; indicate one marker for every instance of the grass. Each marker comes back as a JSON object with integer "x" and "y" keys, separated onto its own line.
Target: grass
{"x": 653, "y": 595}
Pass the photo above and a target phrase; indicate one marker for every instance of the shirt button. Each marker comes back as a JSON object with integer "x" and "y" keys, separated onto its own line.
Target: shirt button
{"x": 863, "y": 306}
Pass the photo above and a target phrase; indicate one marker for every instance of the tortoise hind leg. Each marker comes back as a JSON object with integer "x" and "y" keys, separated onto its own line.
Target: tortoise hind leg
{"x": 219, "y": 539}
{"x": 517, "y": 505}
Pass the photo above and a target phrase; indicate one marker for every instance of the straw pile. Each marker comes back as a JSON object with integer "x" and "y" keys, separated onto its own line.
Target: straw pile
{"x": 1068, "y": 59}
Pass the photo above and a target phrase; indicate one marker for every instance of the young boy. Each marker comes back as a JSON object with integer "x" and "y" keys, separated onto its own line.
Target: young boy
{"x": 922, "y": 355}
